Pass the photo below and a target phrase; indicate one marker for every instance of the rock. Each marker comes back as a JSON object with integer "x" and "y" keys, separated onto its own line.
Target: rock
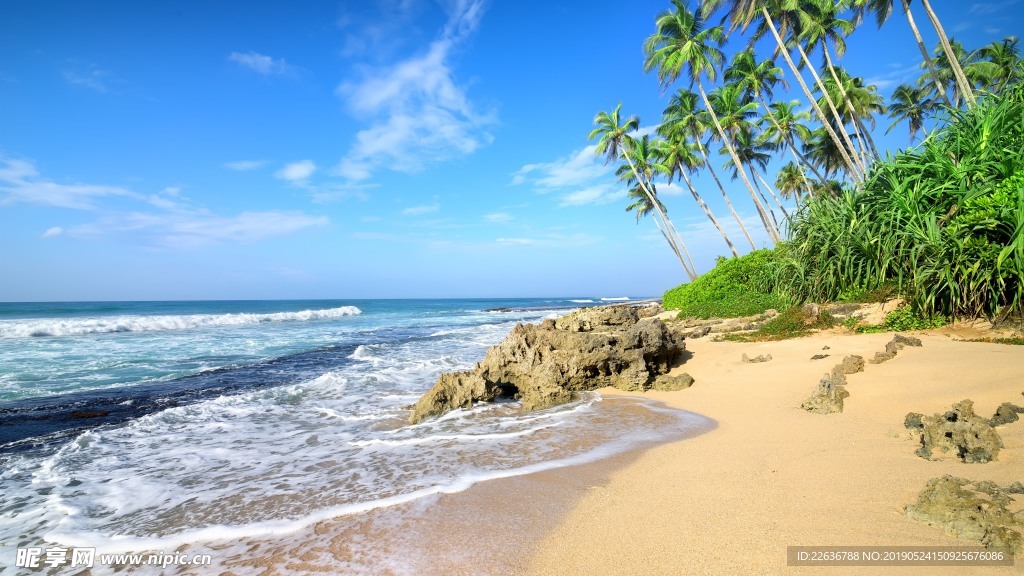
{"x": 756, "y": 359}
{"x": 811, "y": 311}
{"x": 980, "y": 514}
{"x": 699, "y": 332}
{"x": 547, "y": 364}
{"x": 1005, "y": 414}
{"x": 820, "y": 356}
{"x": 827, "y": 397}
{"x": 672, "y": 383}
{"x": 826, "y": 347}
{"x": 850, "y": 365}
{"x": 959, "y": 431}
{"x": 898, "y": 342}
{"x": 1015, "y": 488}
{"x": 649, "y": 311}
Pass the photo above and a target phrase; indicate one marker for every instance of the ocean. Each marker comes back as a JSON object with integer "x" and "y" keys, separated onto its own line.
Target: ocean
{"x": 163, "y": 426}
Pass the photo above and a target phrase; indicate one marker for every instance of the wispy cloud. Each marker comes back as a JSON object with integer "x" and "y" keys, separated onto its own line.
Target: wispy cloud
{"x": 498, "y": 217}
{"x": 421, "y": 210}
{"x": 87, "y": 75}
{"x": 987, "y": 8}
{"x": 296, "y": 172}
{"x": 190, "y": 229}
{"x": 423, "y": 116}
{"x": 20, "y": 182}
{"x": 580, "y": 178}
{"x": 897, "y": 74}
{"x": 245, "y": 165}
{"x": 552, "y": 240}
{"x": 261, "y": 63}
{"x": 165, "y": 219}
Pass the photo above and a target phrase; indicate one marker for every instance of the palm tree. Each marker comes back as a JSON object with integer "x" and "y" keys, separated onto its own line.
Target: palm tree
{"x": 684, "y": 117}
{"x": 1001, "y": 63}
{"x": 614, "y": 142}
{"x": 882, "y": 9}
{"x": 681, "y": 40}
{"x": 791, "y": 180}
{"x": 823, "y": 153}
{"x": 677, "y": 157}
{"x": 752, "y": 153}
{"x": 639, "y": 176}
{"x": 913, "y": 105}
{"x": 862, "y": 103}
{"x": 736, "y": 112}
{"x": 961, "y": 80}
{"x": 742, "y": 14}
{"x": 787, "y": 127}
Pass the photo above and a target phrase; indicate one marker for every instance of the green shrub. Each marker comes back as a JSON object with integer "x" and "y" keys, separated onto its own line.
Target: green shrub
{"x": 790, "y": 323}
{"x": 902, "y": 319}
{"x": 741, "y": 286}
{"x": 943, "y": 223}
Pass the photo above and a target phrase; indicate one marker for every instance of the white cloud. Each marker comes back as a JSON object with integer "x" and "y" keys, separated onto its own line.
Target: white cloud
{"x": 579, "y": 168}
{"x": 984, "y": 8}
{"x": 20, "y": 182}
{"x": 53, "y": 231}
{"x": 671, "y": 189}
{"x": 87, "y": 75}
{"x": 245, "y": 165}
{"x": 421, "y": 210}
{"x": 424, "y": 117}
{"x": 898, "y": 74}
{"x": 197, "y": 228}
{"x": 296, "y": 171}
{"x": 597, "y": 194}
{"x": 516, "y": 241}
{"x": 261, "y": 63}
{"x": 552, "y": 240}
{"x": 498, "y": 217}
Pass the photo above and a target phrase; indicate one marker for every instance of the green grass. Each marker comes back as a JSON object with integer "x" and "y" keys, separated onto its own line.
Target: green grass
{"x": 902, "y": 319}
{"x": 943, "y": 223}
{"x": 791, "y": 323}
{"x": 735, "y": 287}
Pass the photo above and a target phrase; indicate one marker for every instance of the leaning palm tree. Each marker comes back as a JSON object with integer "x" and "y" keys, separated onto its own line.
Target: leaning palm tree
{"x": 682, "y": 41}
{"x": 677, "y": 157}
{"x": 863, "y": 102}
{"x": 684, "y": 119}
{"x": 753, "y": 153}
{"x": 639, "y": 176}
{"x": 788, "y": 127}
{"x": 744, "y": 13}
{"x": 961, "y": 79}
{"x": 1002, "y": 63}
{"x": 614, "y": 141}
{"x": 882, "y": 9}
{"x": 735, "y": 111}
{"x": 912, "y": 105}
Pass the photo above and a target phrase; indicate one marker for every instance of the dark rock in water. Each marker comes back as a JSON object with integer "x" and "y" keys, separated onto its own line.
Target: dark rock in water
{"x": 898, "y": 342}
{"x": 960, "y": 431}
{"x": 756, "y": 359}
{"x": 89, "y": 414}
{"x": 820, "y": 356}
{"x": 827, "y": 397}
{"x": 672, "y": 383}
{"x": 850, "y": 365}
{"x": 1005, "y": 414}
{"x": 547, "y": 364}
{"x": 973, "y": 512}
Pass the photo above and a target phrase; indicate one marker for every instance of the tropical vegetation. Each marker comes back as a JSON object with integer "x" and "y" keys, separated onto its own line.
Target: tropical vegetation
{"x": 942, "y": 223}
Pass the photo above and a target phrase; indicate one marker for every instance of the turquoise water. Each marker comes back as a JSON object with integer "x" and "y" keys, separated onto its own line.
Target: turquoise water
{"x": 150, "y": 425}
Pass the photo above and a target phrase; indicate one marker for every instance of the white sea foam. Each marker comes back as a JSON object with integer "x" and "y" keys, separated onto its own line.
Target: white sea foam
{"x": 617, "y": 299}
{"x": 584, "y": 301}
{"x": 111, "y": 324}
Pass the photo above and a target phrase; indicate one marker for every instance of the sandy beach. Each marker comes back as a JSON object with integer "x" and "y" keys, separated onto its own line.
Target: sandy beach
{"x": 772, "y": 475}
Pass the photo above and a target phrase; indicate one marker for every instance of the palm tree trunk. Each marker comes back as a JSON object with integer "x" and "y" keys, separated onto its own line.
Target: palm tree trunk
{"x": 939, "y": 88}
{"x": 775, "y": 221}
{"x": 958, "y": 72}
{"x": 739, "y": 165}
{"x": 851, "y": 167}
{"x": 725, "y": 196}
{"x": 807, "y": 183}
{"x": 674, "y": 247}
{"x": 661, "y": 213}
{"x": 832, "y": 107}
{"x": 707, "y": 211}
{"x": 774, "y": 196}
{"x": 863, "y": 134}
{"x": 789, "y": 142}
{"x": 679, "y": 237}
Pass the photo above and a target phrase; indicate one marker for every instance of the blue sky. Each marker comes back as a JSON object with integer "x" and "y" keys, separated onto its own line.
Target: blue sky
{"x": 407, "y": 148}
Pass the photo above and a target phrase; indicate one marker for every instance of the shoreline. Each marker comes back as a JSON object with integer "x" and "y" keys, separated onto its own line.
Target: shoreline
{"x": 773, "y": 475}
